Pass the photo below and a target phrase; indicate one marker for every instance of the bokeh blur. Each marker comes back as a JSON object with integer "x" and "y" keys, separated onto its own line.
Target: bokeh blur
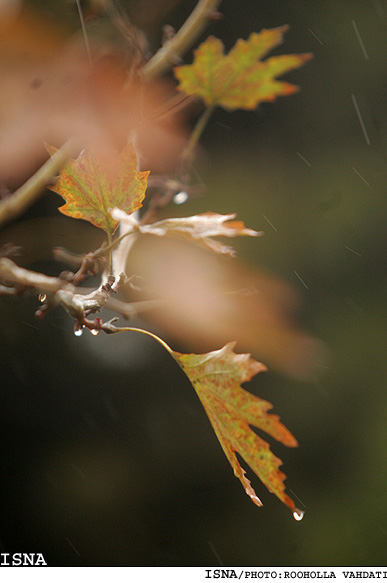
{"x": 107, "y": 455}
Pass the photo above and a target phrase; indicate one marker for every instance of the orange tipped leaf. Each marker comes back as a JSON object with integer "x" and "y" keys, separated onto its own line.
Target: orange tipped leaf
{"x": 91, "y": 186}
{"x": 239, "y": 79}
{"x": 217, "y": 376}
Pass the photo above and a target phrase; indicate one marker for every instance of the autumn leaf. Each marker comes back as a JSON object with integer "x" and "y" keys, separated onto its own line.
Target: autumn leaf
{"x": 91, "y": 186}
{"x": 240, "y": 79}
{"x": 217, "y": 377}
{"x": 202, "y": 227}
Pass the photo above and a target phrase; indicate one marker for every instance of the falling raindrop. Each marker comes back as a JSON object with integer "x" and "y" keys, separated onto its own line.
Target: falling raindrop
{"x": 180, "y": 197}
{"x": 42, "y": 298}
{"x": 298, "y": 514}
{"x": 94, "y": 332}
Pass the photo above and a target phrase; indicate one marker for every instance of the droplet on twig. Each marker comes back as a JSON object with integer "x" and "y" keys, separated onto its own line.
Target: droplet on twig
{"x": 78, "y": 329}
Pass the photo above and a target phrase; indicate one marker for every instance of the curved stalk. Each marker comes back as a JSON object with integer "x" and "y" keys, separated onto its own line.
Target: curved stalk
{"x": 109, "y": 328}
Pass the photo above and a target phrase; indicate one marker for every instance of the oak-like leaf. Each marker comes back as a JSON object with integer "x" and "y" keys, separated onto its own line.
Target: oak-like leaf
{"x": 91, "y": 186}
{"x": 217, "y": 377}
{"x": 203, "y": 228}
{"x": 239, "y": 79}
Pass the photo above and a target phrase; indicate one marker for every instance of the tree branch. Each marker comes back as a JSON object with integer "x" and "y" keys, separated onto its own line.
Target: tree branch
{"x": 166, "y": 56}
{"x": 58, "y": 291}
{"x": 21, "y": 278}
{"x": 15, "y": 279}
{"x": 15, "y": 204}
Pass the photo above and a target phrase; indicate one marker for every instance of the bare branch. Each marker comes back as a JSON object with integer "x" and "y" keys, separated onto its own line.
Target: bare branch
{"x": 167, "y": 55}
{"x": 7, "y": 291}
{"x": 10, "y": 273}
{"x": 58, "y": 291}
{"x": 15, "y": 204}
{"x": 15, "y": 279}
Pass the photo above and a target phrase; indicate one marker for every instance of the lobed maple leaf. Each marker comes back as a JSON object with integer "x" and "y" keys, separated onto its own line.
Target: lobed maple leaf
{"x": 91, "y": 186}
{"x": 217, "y": 377}
{"x": 240, "y": 79}
{"x": 202, "y": 227}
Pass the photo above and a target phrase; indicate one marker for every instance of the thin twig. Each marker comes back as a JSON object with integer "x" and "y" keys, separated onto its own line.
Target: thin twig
{"x": 15, "y": 204}
{"x": 167, "y": 55}
{"x": 7, "y": 291}
{"x": 10, "y": 273}
{"x": 84, "y": 30}
{"x": 15, "y": 279}
{"x": 58, "y": 291}
{"x": 173, "y": 105}
{"x": 196, "y": 135}
{"x": 160, "y": 200}
{"x": 132, "y": 309}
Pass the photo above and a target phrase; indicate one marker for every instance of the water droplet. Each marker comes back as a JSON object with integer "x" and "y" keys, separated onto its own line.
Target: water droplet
{"x": 78, "y": 329}
{"x": 42, "y": 298}
{"x": 298, "y": 514}
{"x": 180, "y": 197}
{"x": 94, "y": 332}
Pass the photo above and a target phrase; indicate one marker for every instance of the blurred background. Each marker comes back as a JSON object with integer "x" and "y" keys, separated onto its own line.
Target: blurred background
{"x": 107, "y": 455}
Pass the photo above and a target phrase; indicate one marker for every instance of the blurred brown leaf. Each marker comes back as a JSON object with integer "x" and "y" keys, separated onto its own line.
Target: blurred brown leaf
{"x": 50, "y": 92}
{"x": 213, "y": 300}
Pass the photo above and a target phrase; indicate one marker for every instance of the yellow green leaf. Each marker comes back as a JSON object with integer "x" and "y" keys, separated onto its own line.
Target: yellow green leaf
{"x": 91, "y": 186}
{"x": 217, "y": 377}
{"x": 240, "y": 79}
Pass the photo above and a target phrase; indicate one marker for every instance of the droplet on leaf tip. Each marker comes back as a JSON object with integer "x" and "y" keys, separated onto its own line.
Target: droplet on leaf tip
{"x": 94, "y": 332}
{"x": 180, "y": 197}
{"x": 298, "y": 514}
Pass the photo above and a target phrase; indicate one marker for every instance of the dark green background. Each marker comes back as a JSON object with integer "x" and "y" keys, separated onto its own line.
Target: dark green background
{"x": 107, "y": 456}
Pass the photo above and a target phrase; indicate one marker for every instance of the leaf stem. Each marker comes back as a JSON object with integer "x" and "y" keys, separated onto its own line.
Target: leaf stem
{"x": 109, "y": 328}
{"x": 196, "y": 134}
{"x": 109, "y": 236}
